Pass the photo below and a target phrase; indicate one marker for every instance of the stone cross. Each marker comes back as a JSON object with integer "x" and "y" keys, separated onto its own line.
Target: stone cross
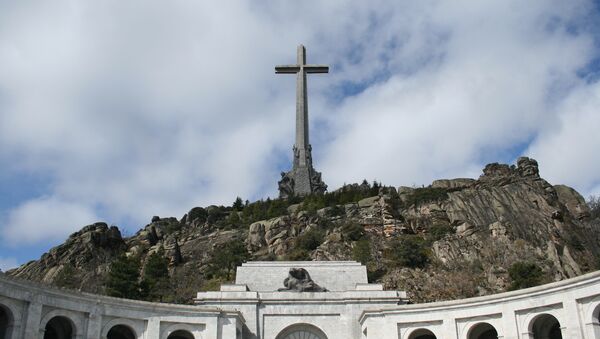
{"x": 301, "y": 69}
{"x": 303, "y": 179}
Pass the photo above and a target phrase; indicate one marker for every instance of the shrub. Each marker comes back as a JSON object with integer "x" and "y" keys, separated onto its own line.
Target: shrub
{"x": 524, "y": 274}
{"x": 438, "y": 231}
{"x": 374, "y": 273}
{"x": 408, "y": 251}
{"x": 298, "y": 254}
{"x": 594, "y": 205}
{"x": 309, "y": 240}
{"x": 226, "y": 258}
{"x": 353, "y": 231}
{"x": 361, "y": 251}
{"x": 67, "y": 277}
{"x": 425, "y": 194}
{"x": 213, "y": 284}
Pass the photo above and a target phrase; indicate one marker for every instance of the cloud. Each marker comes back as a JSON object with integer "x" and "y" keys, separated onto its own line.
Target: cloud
{"x": 7, "y": 263}
{"x": 45, "y": 219}
{"x": 568, "y": 147}
{"x": 148, "y": 108}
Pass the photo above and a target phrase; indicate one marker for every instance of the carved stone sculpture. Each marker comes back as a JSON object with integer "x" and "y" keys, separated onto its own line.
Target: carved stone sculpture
{"x": 286, "y": 185}
{"x": 299, "y": 280}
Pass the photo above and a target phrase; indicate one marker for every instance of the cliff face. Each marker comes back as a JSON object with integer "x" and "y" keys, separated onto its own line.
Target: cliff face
{"x": 454, "y": 239}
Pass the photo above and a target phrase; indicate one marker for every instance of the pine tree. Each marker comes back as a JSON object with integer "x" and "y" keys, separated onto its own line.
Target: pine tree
{"x": 227, "y": 258}
{"x": 238, "y": 204}
{"x": 155, "y": 282}
{"x": 123, "y": 278}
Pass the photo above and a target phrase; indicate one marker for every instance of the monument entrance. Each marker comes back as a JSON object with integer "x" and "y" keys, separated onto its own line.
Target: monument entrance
{"x": 302, "y": 179}
{"x": 302, "y": 331}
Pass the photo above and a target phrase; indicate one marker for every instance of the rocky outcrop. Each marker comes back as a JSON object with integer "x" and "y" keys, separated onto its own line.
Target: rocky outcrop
{"x": 473, "y": 230}
{"x": 89, "y": 251}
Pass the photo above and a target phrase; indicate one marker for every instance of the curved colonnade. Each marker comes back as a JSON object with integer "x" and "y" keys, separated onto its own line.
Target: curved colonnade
{"x": 564, "y": 310}
{"x": 567, "y": 309}
{"x": 31, "y": 311}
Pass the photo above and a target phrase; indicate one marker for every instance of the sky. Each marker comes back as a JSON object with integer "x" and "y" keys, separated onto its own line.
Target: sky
{"x": 118, "y": 111}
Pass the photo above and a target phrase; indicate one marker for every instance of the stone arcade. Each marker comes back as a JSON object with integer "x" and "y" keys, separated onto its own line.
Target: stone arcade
{"x": 319, "y": 300}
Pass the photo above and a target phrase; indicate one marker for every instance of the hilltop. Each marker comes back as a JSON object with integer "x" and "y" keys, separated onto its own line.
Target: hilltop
{"x": 453, "y": 239}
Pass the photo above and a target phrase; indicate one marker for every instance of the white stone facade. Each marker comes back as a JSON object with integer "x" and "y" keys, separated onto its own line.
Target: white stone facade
{"x": 253, "y": 309}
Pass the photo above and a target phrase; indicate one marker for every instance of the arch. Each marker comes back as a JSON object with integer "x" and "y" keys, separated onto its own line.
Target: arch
{"x": 545, "y": 326}
{"x": 124, "y": 325}
{"x": 6, "y": 322}
{"x": 181, "y": 334}
{"x": 594, "y": 324}
{"x": 596, "y": 314}
{"x": 121, "y": 331}
{"x": 421, "y": 333}
{"x": 302, "y": 331}
{"x": 59, "y": 327}
{"x": 73, "y": 318}
{"x": 182, "y": 331}
{"x": 482, "y": 330}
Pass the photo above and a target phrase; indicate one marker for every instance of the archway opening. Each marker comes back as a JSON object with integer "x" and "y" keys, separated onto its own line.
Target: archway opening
{"x": 302, "y": 331}
{"x": 181, "y": 334}
{"x": 6, "y": 320}
{"x": 422, "y": 333}
{"x": 546, "y": 326}
{"x": 120, "y": 332}
{"x": 483, "y": 331}
{"x": 59, "y": 327}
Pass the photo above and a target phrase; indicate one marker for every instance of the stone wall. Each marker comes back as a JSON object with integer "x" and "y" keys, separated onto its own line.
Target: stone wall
{"x": 572, "y": 307}
{"x": 29, "y": 307}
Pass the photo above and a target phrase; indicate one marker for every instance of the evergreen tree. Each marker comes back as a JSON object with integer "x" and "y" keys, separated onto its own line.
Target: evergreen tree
{"x": 524, "y": 274}
{"x": 227, "y": 258}
{"x": 155, "y": 282}
{"x": 123, "y": 278}
{"x": 238, "y": 204}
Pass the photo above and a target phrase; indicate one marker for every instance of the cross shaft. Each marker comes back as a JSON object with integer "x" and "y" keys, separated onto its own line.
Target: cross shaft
{"x": 301, "y": 69}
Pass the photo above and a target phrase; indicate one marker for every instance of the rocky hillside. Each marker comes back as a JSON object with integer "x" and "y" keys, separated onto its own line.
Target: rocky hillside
{"x": 453, "y": 239}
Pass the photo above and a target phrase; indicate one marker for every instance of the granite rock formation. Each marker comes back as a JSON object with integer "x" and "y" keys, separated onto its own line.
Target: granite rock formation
{"x": 470, "y": 231}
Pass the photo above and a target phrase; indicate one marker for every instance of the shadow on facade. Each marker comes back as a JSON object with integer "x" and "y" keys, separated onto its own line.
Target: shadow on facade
{"x": 422, "y": 333}
{"x": 546, "y": 326}
{"x": 59, "y": 327}
{"x": 483, "y": 331}
{"x": 121, "y": 332}
{"x": 181, "y": 334}
{"x": 6, "y": 319}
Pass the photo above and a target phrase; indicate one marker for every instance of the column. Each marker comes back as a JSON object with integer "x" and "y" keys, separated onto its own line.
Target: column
{"x": 32, "y": 320}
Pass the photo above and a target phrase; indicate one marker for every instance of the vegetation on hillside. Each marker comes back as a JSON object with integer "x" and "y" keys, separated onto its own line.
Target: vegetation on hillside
{"x": 123, "y": 278}
{"x": 524, "y": 274}
{"x": 594, "y": 205}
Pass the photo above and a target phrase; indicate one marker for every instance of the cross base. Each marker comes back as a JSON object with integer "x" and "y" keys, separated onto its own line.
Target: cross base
{"x": 301, "y": 181}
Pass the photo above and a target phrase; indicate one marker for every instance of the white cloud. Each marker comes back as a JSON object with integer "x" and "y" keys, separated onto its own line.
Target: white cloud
{"x": 149, "y": 108}
{"x": 45, "y": 219}
{"x": 569, "y": 147}
{"x": 7, "y": 263}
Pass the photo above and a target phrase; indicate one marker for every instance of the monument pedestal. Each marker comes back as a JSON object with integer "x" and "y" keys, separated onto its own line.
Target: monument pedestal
{"x": 272, "y": 312}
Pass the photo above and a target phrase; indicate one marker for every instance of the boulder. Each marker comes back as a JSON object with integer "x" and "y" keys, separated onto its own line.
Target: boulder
{"x": 574, "y": 202}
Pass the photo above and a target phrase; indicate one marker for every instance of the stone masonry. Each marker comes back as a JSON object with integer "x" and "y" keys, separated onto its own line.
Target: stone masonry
{"x": 302, "y": 179}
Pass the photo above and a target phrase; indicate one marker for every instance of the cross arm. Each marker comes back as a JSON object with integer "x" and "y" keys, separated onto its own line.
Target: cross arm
{"x": 287, "y": 69}
{"x": 316, "y": 68}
